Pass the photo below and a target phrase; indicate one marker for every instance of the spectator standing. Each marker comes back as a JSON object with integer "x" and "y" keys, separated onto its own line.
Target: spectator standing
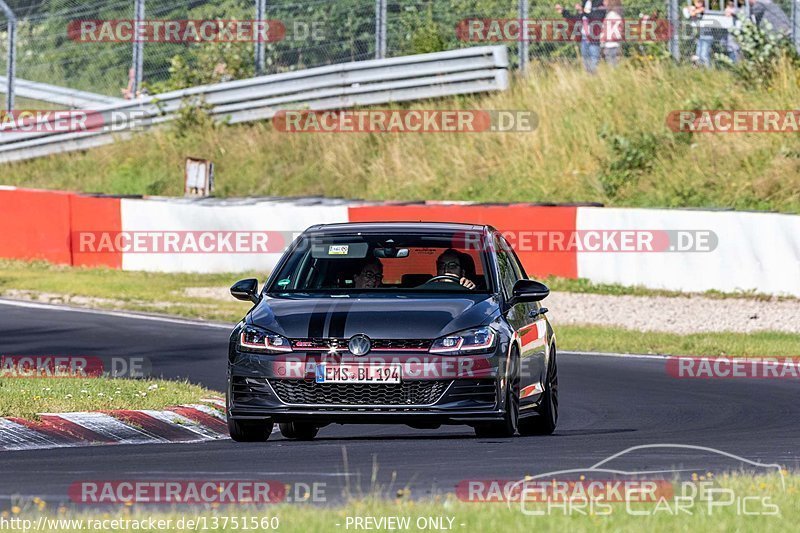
{"x": 613, "y": 32}
{"x": 705, "y": 38}
{"x": 732, "y": 45}
{"x": 590, "y": 15}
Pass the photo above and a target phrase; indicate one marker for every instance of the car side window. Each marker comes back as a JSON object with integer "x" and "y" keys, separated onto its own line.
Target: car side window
{"x": 519, "y": 272}
{"x": 508, "y": 276}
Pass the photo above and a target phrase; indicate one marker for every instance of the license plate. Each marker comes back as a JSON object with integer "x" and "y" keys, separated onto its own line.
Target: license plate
{"x": 326, "y": 373}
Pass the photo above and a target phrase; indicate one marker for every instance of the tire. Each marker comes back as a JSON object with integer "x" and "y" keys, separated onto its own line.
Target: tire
{"x": 507, "y": 427}
{"x": 544, "y": 423}
{"x": 298, "y": 430}
{"x": 249, "y": 430}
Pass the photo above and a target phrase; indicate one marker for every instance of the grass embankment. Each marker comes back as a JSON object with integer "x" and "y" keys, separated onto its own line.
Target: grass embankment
{"x": 26, "y": 397}
{"x": 600, "y": 138}
{"x": 178, "y": 294}
{"x": 763, "y": 492}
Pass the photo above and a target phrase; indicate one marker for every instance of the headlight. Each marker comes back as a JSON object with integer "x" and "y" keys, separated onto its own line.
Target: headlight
{"x": 253, "y": 339}
{"x": 467, "y": 341}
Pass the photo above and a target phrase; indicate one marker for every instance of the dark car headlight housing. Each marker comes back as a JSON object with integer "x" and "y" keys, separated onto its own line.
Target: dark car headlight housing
{"x": 468, "y": 341}
{"x": 253, "y": 339}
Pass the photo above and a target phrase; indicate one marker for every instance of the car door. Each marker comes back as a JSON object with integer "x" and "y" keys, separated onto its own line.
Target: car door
{"x": 529, "y": 324}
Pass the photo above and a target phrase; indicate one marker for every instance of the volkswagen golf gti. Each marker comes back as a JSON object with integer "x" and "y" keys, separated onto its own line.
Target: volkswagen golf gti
{"x": 411, "y": 323}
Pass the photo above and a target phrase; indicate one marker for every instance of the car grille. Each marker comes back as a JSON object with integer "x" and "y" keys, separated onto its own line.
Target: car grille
{"x": 323, "y": 344}
{"x": 298, "y": 391}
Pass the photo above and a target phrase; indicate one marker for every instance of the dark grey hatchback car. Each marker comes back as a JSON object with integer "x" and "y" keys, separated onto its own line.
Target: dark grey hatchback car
{"x": 412, "y": 323}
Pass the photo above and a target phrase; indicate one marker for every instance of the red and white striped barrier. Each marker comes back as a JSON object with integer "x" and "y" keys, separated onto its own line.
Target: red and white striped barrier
{"x": 741, "y": 251}
{"x": 185, "y": 423}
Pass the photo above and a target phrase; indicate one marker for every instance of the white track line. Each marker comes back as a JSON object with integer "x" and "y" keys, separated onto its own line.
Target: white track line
{"x": 652, "y": 357}
{"x": 120, "y": 314}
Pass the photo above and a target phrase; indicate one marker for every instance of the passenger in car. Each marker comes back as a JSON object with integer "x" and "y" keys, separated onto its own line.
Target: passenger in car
{"x": 370, "y": 276}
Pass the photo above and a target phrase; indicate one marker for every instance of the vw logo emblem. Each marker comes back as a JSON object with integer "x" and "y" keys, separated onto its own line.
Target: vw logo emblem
{"x": 359, "y": 345}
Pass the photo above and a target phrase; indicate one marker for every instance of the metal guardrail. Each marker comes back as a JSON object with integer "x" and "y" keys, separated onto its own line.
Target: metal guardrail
{"x": 361, "y": 83}
{"x": 55, "y": 94}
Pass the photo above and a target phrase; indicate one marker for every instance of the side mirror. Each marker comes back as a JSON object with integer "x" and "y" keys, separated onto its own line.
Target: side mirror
{"x": 528, "y": 290}
{"x": 246, "y": 290}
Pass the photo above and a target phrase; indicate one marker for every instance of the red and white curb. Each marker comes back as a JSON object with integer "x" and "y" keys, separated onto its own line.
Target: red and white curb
{"x": 183, "y": 423}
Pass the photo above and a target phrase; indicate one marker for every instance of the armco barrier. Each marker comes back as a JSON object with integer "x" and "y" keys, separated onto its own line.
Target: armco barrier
{"x": 360, "y": 83}
{"x": 753, "y": 251}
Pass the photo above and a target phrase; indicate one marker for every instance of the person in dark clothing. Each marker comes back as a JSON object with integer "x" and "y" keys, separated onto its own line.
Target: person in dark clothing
{"x": 762, "y": 11}
{"x": 591, "y": 16}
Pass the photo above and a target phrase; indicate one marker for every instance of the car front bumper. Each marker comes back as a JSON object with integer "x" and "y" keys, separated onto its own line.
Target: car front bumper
{"x": 440, "y": 391}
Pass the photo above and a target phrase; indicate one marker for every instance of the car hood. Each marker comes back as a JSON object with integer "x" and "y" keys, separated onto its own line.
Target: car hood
{"x": 389, "y": 317}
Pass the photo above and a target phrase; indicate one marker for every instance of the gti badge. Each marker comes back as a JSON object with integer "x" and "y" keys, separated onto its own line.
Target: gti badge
{"x": 359, "y": 345}
{"x": 333, "y": 347}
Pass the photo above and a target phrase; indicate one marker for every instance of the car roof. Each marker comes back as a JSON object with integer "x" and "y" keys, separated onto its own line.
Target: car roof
{"x": 396, "y": 227}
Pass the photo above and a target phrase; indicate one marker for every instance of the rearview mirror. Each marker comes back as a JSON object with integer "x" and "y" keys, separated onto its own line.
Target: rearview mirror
{"x": 528, "y": 290}
{"x": 390, "y": 253}
{"x": 246, "y": 290}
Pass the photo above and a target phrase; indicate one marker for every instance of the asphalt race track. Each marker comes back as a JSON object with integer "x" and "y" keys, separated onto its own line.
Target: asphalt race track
{"x": 608, "y": 404}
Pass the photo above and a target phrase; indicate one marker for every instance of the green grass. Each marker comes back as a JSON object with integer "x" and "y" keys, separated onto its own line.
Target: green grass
{"x": 619, "y": 340}
{"x": 600, "y": 138}
{"x": 477, "y": 517}
{"x": 27, "y": 397}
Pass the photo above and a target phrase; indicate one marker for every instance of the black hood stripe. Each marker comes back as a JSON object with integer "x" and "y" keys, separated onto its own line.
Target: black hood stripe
{"x": 339, "y": 319}
{"x": 316, "y": 322}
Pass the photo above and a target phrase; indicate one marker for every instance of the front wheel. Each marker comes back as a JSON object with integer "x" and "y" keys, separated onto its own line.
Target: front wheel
{"x": 544, "y": 423}
{"x": 249, "y": 430}
{"x": 298, "y": 430}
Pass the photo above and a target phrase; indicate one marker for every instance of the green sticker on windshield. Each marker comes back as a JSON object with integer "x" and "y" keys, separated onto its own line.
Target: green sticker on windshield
{"x": 338, "y": 249}
{"x": 284, "y": 282}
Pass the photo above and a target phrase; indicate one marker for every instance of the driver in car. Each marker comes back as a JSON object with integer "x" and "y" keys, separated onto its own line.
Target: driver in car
{"x": 449, "y": 269}
{"x": 370, "y": 276}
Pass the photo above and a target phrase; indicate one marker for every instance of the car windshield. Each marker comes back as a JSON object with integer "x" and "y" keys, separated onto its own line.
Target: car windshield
{"x": 383, "y": 263}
